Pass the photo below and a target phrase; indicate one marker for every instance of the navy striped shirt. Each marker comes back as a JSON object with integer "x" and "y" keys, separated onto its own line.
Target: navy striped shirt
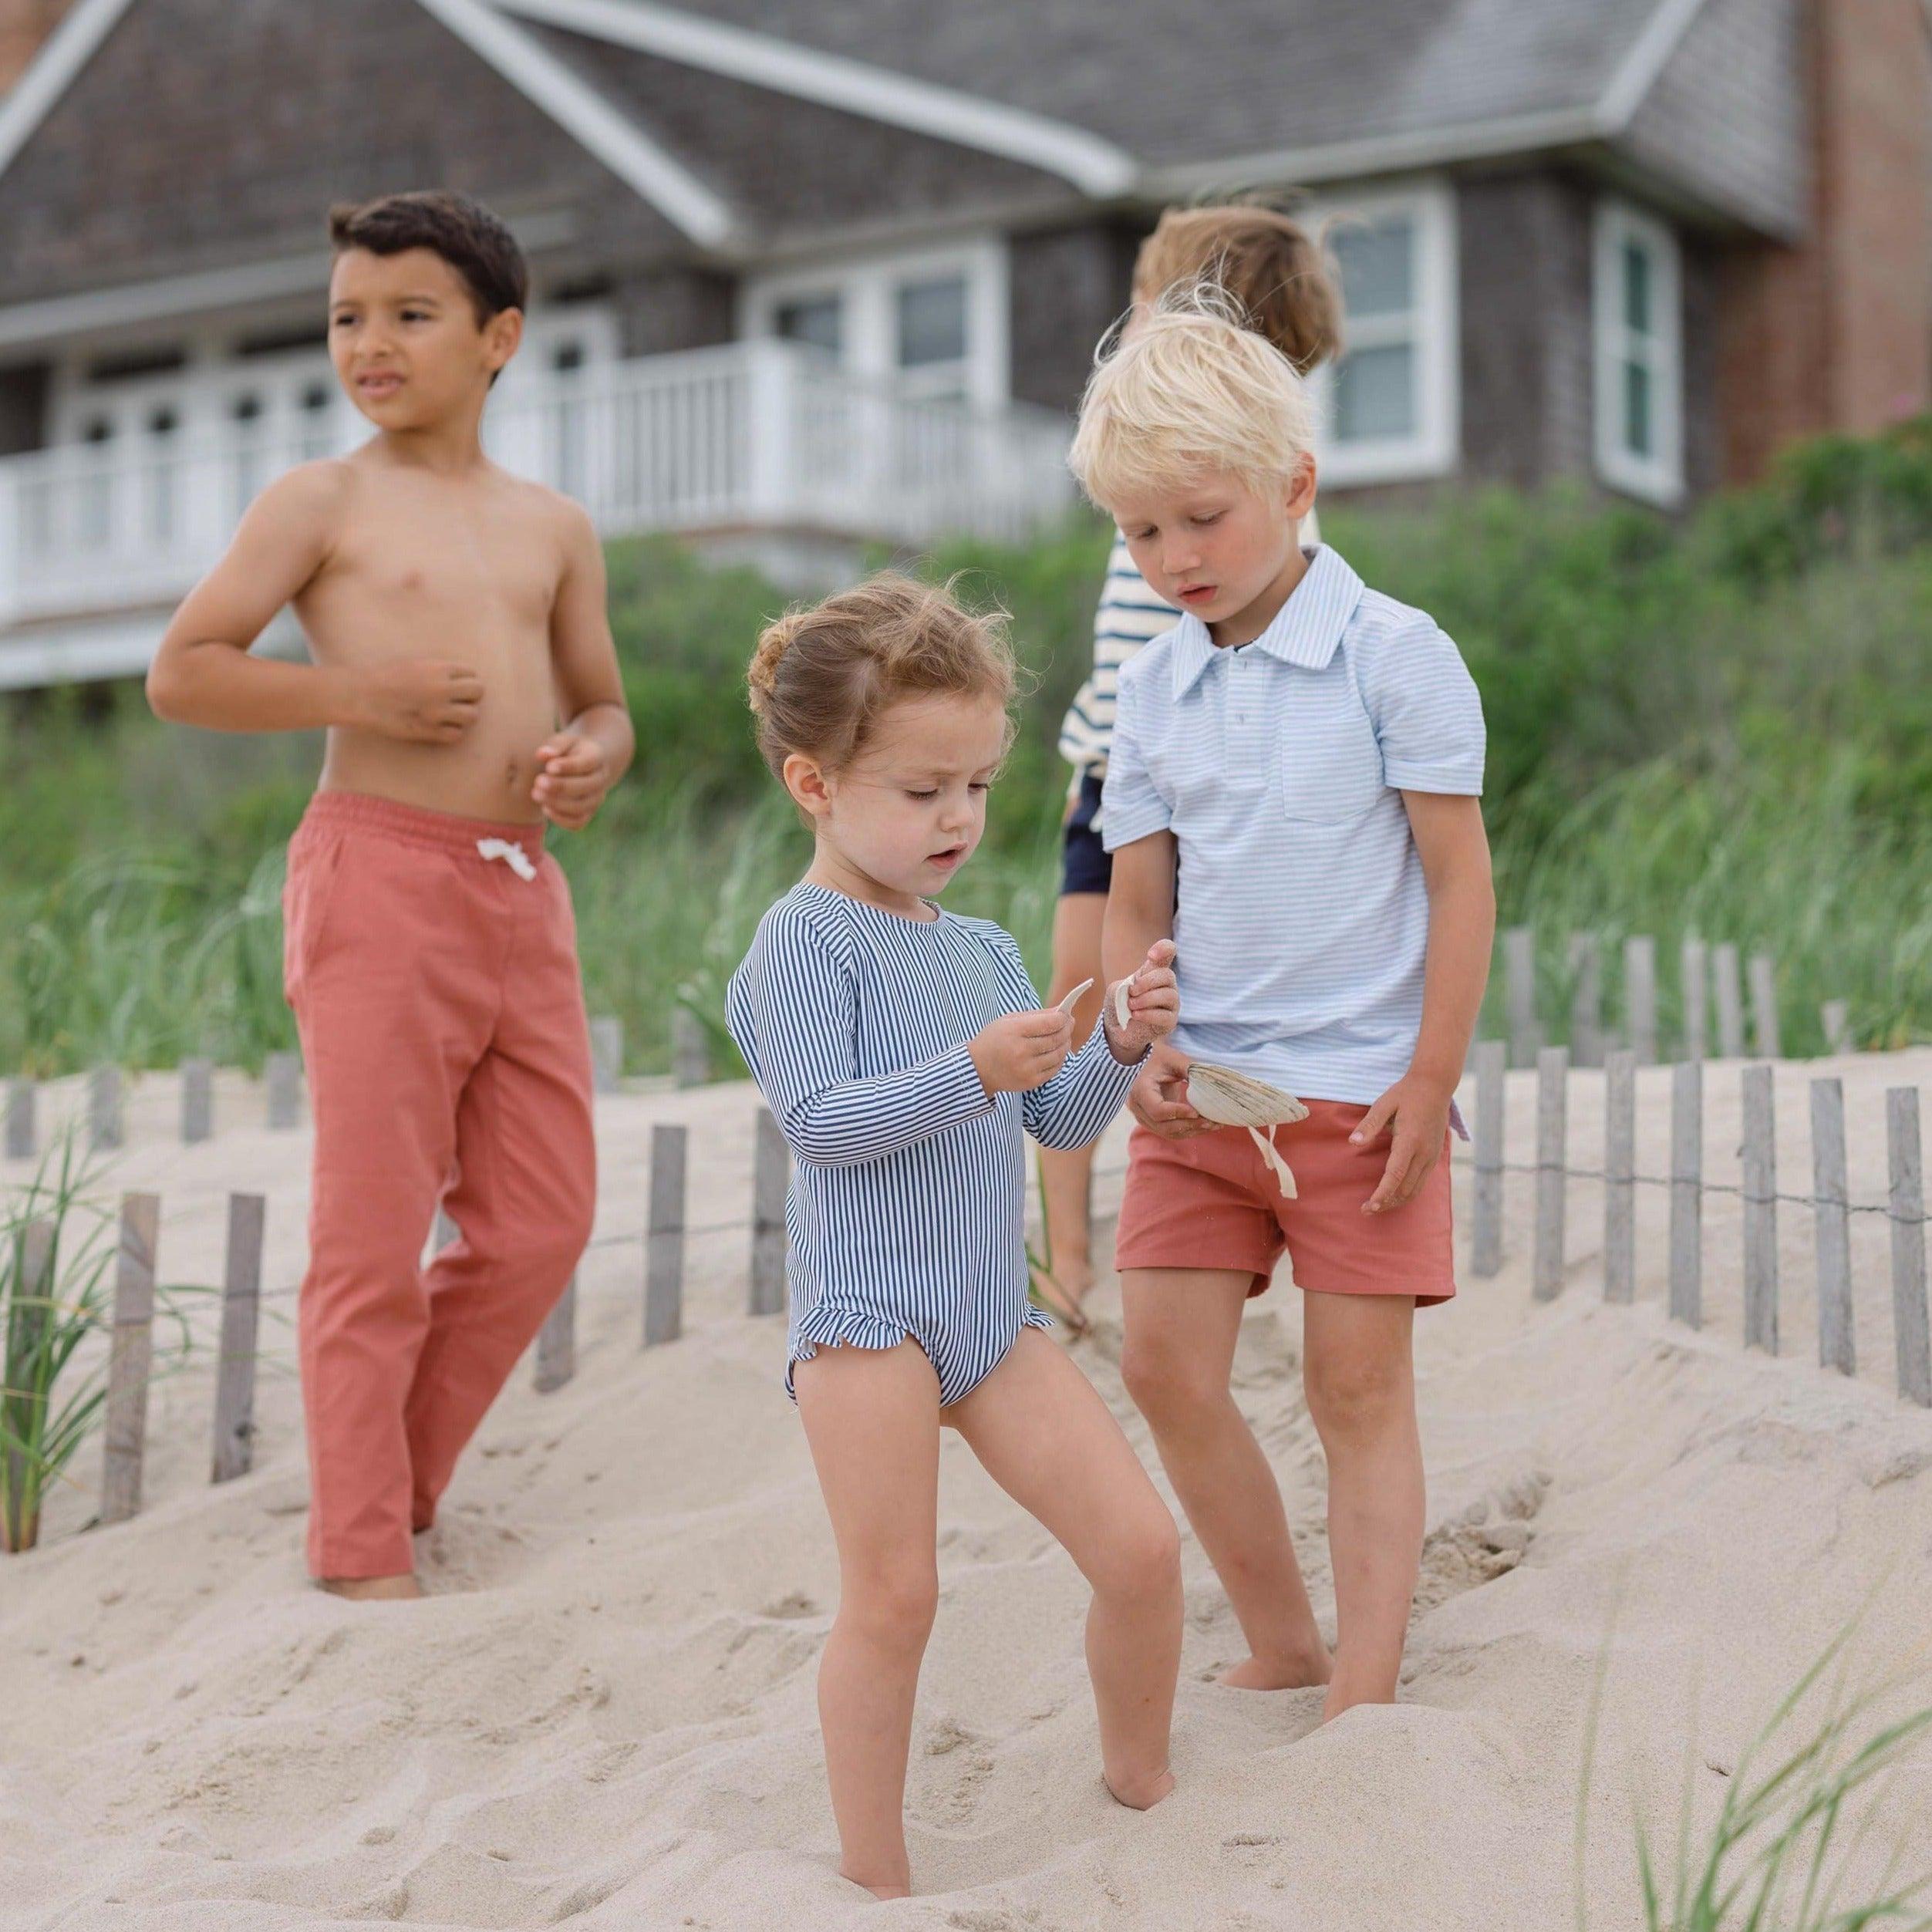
{"x": 906, "y": 1212}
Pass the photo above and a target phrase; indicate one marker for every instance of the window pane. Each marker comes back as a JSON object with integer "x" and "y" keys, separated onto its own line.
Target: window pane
{"x": 932, "y": 321}
{"x": 1375, "y": 394}
{"x": 817, "y": 319}
{"x": 1637, "y": 432}
{"x": 1377, "y": 264}
{"x": 1636, "y": 288}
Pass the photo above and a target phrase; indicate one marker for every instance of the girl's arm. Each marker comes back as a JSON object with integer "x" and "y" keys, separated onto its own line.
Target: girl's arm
{"x": 1462, "y": 922}
{"x": 804, "y": 1012}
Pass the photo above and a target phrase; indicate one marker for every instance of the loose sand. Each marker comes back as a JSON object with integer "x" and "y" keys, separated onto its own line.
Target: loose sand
{"x": 604, "y": 1717}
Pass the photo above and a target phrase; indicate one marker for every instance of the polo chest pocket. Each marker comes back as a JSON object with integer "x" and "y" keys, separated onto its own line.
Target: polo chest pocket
{"x": 1325, "y": 767}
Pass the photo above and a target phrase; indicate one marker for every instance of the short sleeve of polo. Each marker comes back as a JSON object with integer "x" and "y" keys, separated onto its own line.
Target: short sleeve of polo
{"x": 1424, "y": 707}
{"x": 1131, "y": 807}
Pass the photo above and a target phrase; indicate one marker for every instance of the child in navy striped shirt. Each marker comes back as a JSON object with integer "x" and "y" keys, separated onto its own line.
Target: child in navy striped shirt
{"x": 904, "y": 1054}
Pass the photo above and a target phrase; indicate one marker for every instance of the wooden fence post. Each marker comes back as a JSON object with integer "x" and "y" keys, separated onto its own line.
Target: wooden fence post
{"x": 130, "y": 1357}
{"x": 1724, "y": 968}
{"x": 1837, "y": 1346}
{"x": 1760, "y": 1164}
{"x": 1553, "y": 1081}
{"x": 27, "y": 1324}
{"x": 1694, "y": 981}
{"x": 234, "y": 1382}
{"x": 1619, "y": 1177}
{"x": 1585, "y": 1000}
{"x": 1520, "y": 985}
{"x": 664, "y": 1244}
{"x": 1909, "y": 1312}
{"x": 1686, "y": 1193}
{"x": 1764, "y": 1007}
{"x": 771, "y": 1170}
{"x": 690, "y": 1049}
{"x": 1639, "y": 996}
{"x": 20, "y": 1120}
{"x": 105, "y": 1125}
{"x": 197, "y": 1101}
{"x": 284, "y": 1073}
{"x": 607, "y": 1054}
{"x": 1485, "y": 1254}
{"x": 1836, "y": 1017}
{"x": 557, "y": 1342}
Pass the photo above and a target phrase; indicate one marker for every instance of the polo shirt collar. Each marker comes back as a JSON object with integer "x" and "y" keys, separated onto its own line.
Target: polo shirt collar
{"x": 1305, "y": 631}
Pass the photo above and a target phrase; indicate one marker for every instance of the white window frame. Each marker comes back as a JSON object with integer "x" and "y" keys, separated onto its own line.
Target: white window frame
{"x": 867, "y": 286}
{"x": 1434, "y": 326}
{"x": 1659, "y": 477}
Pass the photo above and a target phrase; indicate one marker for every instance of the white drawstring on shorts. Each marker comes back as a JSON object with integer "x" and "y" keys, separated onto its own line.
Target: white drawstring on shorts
{"x": 510, "y": 852}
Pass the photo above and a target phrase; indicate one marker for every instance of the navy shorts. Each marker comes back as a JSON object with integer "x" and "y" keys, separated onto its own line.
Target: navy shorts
{"x": 1086, "y": 865}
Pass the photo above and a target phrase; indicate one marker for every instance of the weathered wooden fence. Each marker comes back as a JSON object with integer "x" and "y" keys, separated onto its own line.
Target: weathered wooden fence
{"x": 1708, "y": 977}
{"x": 662, "y": 1242}
{"x": 1829, "y": 1201}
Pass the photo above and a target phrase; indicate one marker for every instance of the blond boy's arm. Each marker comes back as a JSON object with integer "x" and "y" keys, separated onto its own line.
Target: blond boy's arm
{"x": 578, "y": 764}
{"x": 1454, "y": 851}
{"x": 1140, "y": 910}
{"x": 203, "y": 674}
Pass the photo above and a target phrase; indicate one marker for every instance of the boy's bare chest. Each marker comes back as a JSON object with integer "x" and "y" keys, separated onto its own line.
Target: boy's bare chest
{"x": 488, "y": 570}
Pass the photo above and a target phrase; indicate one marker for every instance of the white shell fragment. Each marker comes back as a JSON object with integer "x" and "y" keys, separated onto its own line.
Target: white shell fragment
{"x": 1220, "y": 1095}
{"x": 1072, "y": 998}
{"x": 1120, "y": 1001}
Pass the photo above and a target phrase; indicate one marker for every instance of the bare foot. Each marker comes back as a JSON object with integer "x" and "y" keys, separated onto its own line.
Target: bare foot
{"x": 372, "y": 1589}
{"x": 1064, "y": 1289}
{"x": 1284, "y": 1674}
{"x": 892, "y": 1888}
{"x": 1140, "y": 1794}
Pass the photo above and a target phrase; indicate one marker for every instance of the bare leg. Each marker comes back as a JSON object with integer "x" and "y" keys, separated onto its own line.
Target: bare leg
{"x": 1182, "y": 1327}
{"x": 872, "y": 1417}
{"x": 1361, "y": 1393}
{"x": 1066, "y": 1175}
{"x": 1045, "y": 1436}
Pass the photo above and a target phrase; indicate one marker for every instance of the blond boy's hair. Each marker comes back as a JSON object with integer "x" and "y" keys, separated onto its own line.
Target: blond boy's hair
{"x": 1190, "y": 390}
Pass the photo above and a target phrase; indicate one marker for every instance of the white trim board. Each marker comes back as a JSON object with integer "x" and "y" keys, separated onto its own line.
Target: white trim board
{"x": 52, "y": 72}
{"x": 618, "y": 142}
{"x": 1098, "y": 167}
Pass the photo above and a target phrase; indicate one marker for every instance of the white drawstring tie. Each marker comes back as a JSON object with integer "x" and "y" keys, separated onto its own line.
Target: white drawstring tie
{"x": 510, "y": 852}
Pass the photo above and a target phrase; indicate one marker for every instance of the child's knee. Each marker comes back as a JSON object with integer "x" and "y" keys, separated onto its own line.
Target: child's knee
{"x": 1142, "y": 1556}
{"x": 1168, "y": 1388}
{"x": 1359, "y": 1396}
{"x": 892, "y": 1606}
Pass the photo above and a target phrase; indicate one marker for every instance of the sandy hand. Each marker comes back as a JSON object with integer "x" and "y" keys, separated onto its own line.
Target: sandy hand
{"x": 1146, "y": 1006}
{"x": 425, "y": 701}
{"x": 1020, "y": 1051}
{"x": 573, "y": 774}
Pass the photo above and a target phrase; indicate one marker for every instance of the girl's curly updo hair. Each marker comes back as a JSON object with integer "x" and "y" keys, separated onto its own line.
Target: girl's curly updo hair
{"x": 822, "y": 674}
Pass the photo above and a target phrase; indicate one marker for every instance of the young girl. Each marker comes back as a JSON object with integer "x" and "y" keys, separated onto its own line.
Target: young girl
{"x": 1272, "y": 269}
{"x": 903, "y": 1052}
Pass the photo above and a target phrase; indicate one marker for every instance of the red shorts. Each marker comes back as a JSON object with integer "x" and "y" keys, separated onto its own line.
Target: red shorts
{"x": 1212, "y": 1203}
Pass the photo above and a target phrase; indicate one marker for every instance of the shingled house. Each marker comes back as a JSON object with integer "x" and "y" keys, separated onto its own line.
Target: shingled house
{"x": 807, "y": 271}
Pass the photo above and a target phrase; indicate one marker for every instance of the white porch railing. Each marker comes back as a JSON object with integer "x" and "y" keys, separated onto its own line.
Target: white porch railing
{"x": 747, "y": 437}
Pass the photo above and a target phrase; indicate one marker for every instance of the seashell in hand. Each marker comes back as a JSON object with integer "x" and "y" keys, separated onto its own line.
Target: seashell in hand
{"x": 1221, "y": 1094}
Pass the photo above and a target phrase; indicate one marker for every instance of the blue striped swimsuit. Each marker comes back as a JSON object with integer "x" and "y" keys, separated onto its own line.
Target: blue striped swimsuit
{"x": 906, "y": 1212}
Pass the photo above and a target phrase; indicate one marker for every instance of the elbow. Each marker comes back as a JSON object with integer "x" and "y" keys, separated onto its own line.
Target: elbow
{"x": 165, "y": 696}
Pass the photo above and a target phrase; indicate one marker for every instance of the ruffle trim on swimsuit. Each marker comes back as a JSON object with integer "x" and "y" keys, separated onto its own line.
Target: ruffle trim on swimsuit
{"x": 841, "y": 1328}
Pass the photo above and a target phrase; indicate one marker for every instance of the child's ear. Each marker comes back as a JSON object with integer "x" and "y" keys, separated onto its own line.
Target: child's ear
{"x": 1301, "y": 492}
{"x": 806, "y": 782}
{"x": 502, "y": 337}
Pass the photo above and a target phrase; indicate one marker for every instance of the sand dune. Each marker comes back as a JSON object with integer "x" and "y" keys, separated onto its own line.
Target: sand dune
{"x": 604, "y": 1716}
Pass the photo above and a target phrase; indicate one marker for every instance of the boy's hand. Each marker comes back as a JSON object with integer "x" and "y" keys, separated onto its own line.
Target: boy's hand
{"x": 1153, "y": 1004}
{"x": 573, "y": 773}
{"x": 1020, "y": 1051}
{"x": 424, "y": 701}
{"x": 1419, "y": 1109}
{"x": 1159, "y": 1098}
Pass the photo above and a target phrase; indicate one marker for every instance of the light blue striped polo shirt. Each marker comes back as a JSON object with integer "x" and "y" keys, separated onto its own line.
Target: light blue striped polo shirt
{"x": 1303, "y": 916}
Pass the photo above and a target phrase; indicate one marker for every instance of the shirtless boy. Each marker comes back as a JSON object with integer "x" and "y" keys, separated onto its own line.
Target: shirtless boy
{"x": 464, "y": 671}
